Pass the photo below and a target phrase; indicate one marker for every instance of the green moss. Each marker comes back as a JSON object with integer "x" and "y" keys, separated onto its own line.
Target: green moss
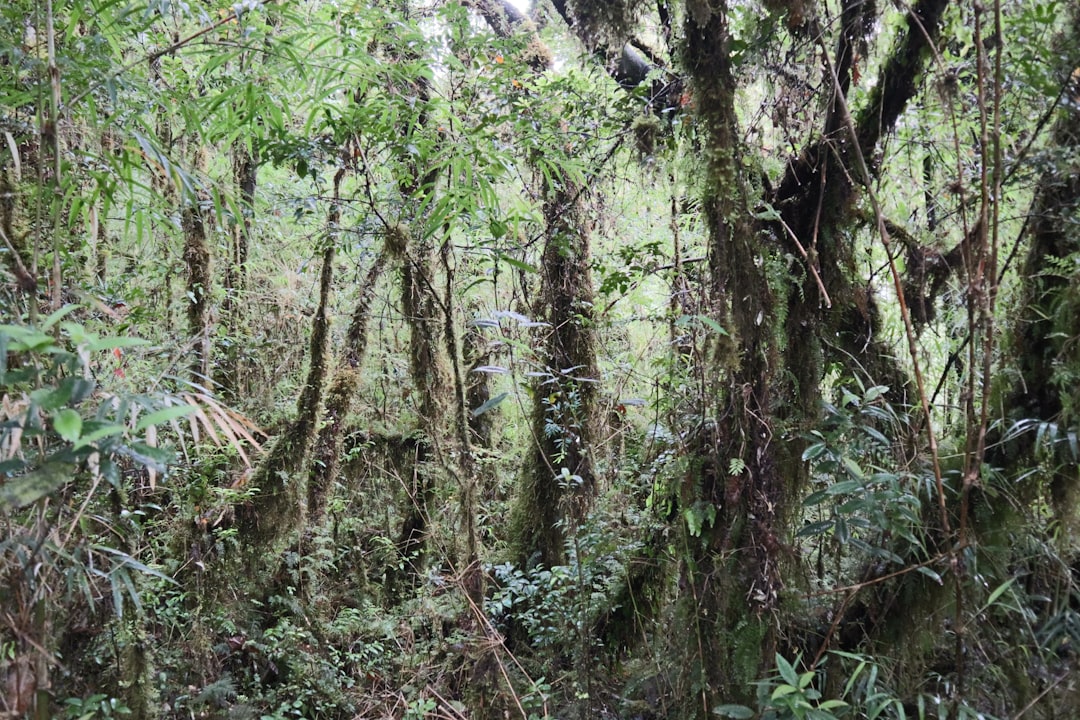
{"x": 278, "y": 508}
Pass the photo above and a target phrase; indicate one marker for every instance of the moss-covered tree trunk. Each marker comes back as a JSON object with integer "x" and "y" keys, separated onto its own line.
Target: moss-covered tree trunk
{"x": 431, "y": 382}
{"x": 245, "y": 164}
{"x": 559, "y": 480}
{"x": 476, "y": 355}
{"x": 326, "y": 457}
{"x": 732, "y": 496}
{"x": 1048, "y": 356}
{"x": 278, "y": 508}
{"x": 16, "y": 255}
{"x": 199, "y": 279}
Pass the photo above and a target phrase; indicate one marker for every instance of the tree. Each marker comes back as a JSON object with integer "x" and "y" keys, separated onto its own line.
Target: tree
{"x": 617, "y": 358}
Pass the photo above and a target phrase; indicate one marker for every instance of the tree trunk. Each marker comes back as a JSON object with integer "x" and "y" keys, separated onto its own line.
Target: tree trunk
{"x": 732, "y": 496}
{"x": 245, "y": 175}
{"x": 199, "y": 279}
{"x": 326, "y": 457}
{"x": 422, "y": 310}
{"x": 558, "y": 482}
{"x": 277, "y": 510}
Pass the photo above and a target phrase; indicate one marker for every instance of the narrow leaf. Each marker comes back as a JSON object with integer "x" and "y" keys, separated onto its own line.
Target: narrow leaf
{"x": 493, "y": 402}
{"x": 163, "y": 415}
{"x": 28, "y": 489}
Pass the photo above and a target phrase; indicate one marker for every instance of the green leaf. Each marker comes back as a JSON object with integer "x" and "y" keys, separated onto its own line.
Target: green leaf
{"x": 28, "y": 489}
{"x": 712, "y": 325}
{"x": 853, "y": 467}
{"x": 127, "y": 560}
{"x": 518, "y": 264}
{"x": 996, "y": 595}
{"x": 52, "y": 398}
{"x": 874, "y": 393}
{"x": 787, "y": 672}
{"x": 30, "y": 341}
{"x": 693, "y": 521}
{"x": 738, "y": 712}
{"x": 493, "y": 402}
{"x": 876, "y": 435}
{"x": 58, "y": 316}
{"x": 98, "y": 434}
{"x": 110, "y": 343}
{"x": 163, "y": 415}
{"x": 842, "y": 533}
{"x": 847, "y": 486}
{"x": 816, "y": 528}
{"x": 930, "y": 574}
{"x": 68, "y": 424}
{"x": 152, "y": 457}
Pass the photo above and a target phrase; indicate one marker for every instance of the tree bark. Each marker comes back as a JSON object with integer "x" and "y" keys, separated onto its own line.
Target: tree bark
{"x": 558, "y": 482}
{"x": 245, "y": 163}
{"x": 732, "y": 499}
{"x": 326, "y": 456}
{"x": 199, "y": 283}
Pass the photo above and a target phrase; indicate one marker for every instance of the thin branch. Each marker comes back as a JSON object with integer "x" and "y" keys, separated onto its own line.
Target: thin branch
{"x": 905, "y": 314}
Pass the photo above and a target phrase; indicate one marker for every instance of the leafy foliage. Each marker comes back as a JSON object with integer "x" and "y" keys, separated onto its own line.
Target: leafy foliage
{"x": 798, "y": 431}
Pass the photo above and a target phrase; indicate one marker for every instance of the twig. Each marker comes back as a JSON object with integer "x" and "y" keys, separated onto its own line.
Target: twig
{"x": 1040, "y": 696}
{"x": 882, "y": 578}
{"x": 812, "y": 264}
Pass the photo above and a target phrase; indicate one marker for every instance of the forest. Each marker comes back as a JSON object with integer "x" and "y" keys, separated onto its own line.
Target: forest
{"x": 575, "y": 359}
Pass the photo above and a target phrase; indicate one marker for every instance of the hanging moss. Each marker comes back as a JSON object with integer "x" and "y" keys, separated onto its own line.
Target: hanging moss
{"x": 646, "y": 130}
{"x": 397, "y": 238}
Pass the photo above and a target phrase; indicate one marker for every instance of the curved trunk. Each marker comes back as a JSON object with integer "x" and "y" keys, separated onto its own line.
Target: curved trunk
{"x": 326, "y": 456}
{"x": 277, "y": 509}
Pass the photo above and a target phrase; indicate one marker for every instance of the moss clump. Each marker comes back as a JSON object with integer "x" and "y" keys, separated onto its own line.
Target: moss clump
{"x": 606, "y": 21}
{"x": 646, "y": 130}
{"x": 397, "y": 239}
{"x": 537, "y": 55}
